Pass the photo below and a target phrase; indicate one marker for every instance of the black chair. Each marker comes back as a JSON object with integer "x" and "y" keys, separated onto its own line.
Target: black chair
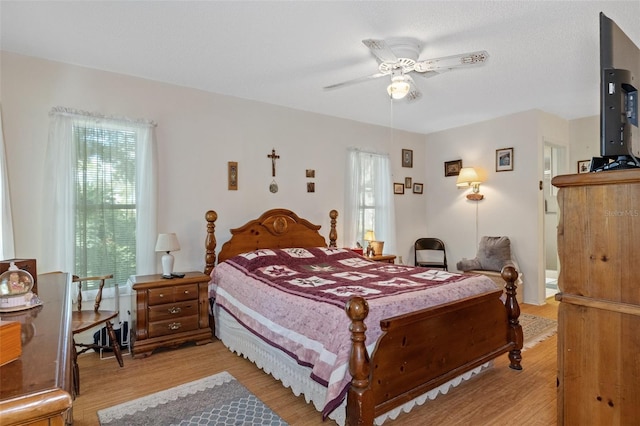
{"x": 430, "y": 244}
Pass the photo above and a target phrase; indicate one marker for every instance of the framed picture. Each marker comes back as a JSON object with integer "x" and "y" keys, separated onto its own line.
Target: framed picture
{"x": 407, "y": 158}
{"x": 584, "y": 166}
{"x": 311, "y": 187}
{"x": 407, "y": 182}
{"x": 398, "y": 188}
{"x": 232, "y": 170}
{"x": 452, "y": 168}
{"x": 504, "y": 159}
{"x": 311, "y": 173}
{"x": 417, "y": 188}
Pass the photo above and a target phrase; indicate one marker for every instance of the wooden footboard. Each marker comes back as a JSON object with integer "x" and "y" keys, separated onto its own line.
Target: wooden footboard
{"x": 422, "y": 350}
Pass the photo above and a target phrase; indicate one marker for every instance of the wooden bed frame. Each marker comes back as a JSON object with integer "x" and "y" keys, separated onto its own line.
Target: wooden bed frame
{"x": 416, "y": 352}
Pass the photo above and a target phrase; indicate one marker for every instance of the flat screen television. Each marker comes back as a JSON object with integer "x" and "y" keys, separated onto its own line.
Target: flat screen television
{"x": 619, "y": 82}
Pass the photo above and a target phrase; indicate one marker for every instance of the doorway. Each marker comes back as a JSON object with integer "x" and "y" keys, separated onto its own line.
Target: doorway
{"x": 554, "y": 161}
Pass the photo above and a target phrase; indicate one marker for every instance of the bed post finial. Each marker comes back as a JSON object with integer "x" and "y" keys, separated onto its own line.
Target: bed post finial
{"x": 360, "y": 404}
{"x": 333, "y": 234}
{"x": 210, "y": 242}
{"x": 510, "y": 275}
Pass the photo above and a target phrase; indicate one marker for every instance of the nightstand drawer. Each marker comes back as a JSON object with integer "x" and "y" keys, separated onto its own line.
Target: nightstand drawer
{"x": 159, "y": 296}
{"x": 171, "y": 326}
{"x": 173, "y": 310}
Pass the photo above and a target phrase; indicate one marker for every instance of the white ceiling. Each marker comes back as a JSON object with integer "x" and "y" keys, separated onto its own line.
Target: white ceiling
{"x": 543, "y": 54}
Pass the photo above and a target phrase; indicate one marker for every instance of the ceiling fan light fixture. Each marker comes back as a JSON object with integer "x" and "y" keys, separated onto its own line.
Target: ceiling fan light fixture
{"x": 398, "y": 88}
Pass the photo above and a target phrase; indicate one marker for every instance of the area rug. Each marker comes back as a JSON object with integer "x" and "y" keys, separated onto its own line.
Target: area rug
{"x": 215, "y": 400}
{"x": 536, "y": 329}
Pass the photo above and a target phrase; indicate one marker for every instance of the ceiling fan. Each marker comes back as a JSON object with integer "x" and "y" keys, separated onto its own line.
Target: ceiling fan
{"x": 398, "y": 59}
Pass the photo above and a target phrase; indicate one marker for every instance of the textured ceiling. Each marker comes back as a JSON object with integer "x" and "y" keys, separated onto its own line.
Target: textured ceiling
{"x": 543, "y": 55}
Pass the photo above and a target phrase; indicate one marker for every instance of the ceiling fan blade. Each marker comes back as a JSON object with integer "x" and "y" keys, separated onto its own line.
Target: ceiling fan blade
{"x": 381, "y": 50}
{"x": 429, "y": 74}
{"x": 414, "y": 93}
{"x": 452, "y": 62}
{"x": 355, "y": 80}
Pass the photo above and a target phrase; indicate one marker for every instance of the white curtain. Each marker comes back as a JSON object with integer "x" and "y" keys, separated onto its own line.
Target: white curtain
{"x": 369, "y": 171}
{"x": 7, "y": 249}
{"x": 59, "y": 188}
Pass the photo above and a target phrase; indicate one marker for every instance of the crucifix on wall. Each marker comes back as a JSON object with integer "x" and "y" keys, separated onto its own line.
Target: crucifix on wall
{"x": 274, "y": 186}
{"x": 273, "y": 157}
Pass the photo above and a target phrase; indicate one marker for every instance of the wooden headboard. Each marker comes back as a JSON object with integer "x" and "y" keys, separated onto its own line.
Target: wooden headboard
{"x": 276, "y": 228}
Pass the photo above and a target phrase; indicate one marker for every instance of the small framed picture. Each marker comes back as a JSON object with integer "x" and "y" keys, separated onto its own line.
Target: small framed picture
{"x": 452, "y": 168}
{"x": 398, "y": 188}
{"x": 311, "y": 173}
{"x": 232, "y": 170}
{"x": 407, "y": 158}
{"x": 504, "y": 159}
{"x": 417, "y": 188}
{"x": 311, "y": 187}
{"x": 584, "y": 166}
{"x": 407, "y": 182}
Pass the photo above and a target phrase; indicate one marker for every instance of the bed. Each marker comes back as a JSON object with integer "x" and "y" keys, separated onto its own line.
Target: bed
{"x": 360, "y": 354}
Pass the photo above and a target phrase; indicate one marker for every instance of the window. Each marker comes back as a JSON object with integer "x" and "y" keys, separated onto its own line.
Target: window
{"x": 105, "y": 186}
{"x": 100, "y": 193}
{"x": 369, "y": 199}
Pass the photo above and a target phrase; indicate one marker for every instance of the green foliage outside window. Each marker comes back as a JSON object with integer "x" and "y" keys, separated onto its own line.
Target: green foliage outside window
{"x": 105, "y": 219}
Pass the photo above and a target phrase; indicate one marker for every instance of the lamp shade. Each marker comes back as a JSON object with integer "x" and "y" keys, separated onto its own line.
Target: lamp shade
{"x": 468, "y": 177}
{"x": 369, "y": 236}
{"x": 167, "y": 242}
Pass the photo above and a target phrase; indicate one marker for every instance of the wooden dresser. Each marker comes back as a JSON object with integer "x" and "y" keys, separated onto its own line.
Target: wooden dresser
{"x": 599, "y": 312}
{"x": 169, "y": 312}
{"x": 36, "y": 388}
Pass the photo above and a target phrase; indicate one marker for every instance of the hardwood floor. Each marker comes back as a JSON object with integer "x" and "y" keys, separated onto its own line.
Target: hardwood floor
{"x": 498, "y": 396}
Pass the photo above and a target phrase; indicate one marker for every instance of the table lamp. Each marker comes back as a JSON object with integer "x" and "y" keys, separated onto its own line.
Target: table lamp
{"x": 167, "y": 243}
{"x": 369, "y": 236}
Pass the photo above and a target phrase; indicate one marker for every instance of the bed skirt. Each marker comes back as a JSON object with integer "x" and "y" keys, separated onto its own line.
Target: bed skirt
{"x": 296, "y": 377}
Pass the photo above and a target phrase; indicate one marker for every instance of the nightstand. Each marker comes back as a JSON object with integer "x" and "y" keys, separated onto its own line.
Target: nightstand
{"x": 168, "y": 312}
{"x": 388, "y": 258}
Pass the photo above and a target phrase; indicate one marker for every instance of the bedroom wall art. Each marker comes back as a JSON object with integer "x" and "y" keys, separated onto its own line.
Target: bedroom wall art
{"x": 407, "y": 158}
{"x": 452, "y": 168}
{"x": 417, "y": 188}
{"x": 311, "y": 187}
{"x": 504, "y": 160}
{"x": 584, "y": 166}
{"x": 273, "y": 187}
{"x": 398, "y": 188}
{"x": 310, "y": 173}
{"x": 407, "y": 182}
{"x": 232, "y": 170}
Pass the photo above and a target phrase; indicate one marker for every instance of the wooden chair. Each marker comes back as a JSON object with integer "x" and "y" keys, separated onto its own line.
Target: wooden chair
{"x": 88, "y": 319}
{"x": 430, "y": 244}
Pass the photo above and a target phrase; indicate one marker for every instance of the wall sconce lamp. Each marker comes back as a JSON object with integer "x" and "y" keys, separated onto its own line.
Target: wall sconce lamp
{"x": 469, "y": 177}
{"x": 167, "y": 243}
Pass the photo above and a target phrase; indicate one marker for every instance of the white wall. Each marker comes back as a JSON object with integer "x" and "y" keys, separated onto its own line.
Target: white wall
{"x": 197, "y": 134}
{"x": 585, "y": 140}
{"x": 512, "y": 200}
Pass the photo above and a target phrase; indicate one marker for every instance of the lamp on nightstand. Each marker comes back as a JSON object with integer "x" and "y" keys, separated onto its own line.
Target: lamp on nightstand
{"x": 369, "y": 236}
{"x": 167, "y": 243}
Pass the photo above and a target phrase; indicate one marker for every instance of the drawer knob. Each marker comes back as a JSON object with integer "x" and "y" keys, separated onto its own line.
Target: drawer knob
{"x": 186, "y": 292}
{"x": 174, "y": 326}
{"x": 161, "y": 295}
{"x": 174, "y": 310}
